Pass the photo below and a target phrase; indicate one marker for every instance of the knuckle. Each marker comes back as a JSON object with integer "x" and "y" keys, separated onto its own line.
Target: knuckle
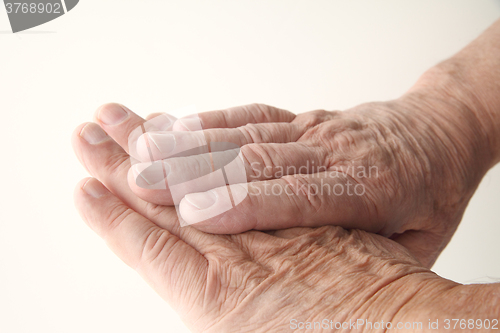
{"x": 268, "y": 114}
{"x": 264, "y": 112}
{"x": 254, "y": 133}
{"x": 158, "y": 241}
{"x": 316, "y": 117}
{"x": 223, "y": 118}
{"x": 259, "y": 160}
{"x": 302, "y": 190}
{"x": 115, "y": 216}
{"x": 342, "y": 143}
{"x": 115, "y": 163}
{"x": 156, "y": 212}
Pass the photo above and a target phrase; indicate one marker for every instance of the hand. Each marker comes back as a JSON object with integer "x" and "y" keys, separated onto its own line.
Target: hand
{"x": 251, "y": 282}
{"x": 403, "y": 169}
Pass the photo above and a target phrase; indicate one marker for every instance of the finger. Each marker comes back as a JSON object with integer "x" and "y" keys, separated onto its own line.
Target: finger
{"x": 161, "y": 145}
{"x": 164, "y": 260}
{"x": 330, "y": 198}
{"x": 234, "y": 117}
{"x": 267, "y": 161}
{"x": 125, "y": 127}
{"x": 167, "y": 182}
{"x": 105, "y": 160}
{"x": 110, "y": 164}
{"x": 199, "y": 173}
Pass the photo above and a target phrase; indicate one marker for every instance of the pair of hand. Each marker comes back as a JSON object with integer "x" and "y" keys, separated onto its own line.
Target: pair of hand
{"x": 430, "y": 148}
{"x": 262, "y": 281}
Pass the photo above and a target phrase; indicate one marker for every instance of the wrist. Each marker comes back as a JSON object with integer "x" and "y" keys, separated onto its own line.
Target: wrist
{"x": 443, "y": 306}
{"x": 406, "y": 304}
{"x": 460, "y": 136}
{"x": 464, "y": 105}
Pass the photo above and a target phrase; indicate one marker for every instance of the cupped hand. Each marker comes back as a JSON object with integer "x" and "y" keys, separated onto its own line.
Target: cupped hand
{"x": 250, "y": 282}
{"x": 404, "y": 169}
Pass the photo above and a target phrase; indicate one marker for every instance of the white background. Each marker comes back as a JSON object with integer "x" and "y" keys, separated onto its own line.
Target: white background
{"x": 156, "y": 56}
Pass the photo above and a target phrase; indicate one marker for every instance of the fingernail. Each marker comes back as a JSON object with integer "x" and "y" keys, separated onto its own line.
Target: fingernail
{"x": 112, "y": 114}
{"x": 94, "y": 188}
{"x": 164, "y": 142}
{"x": 152, "y": 174}
{"x": 201, "y": 200}
{"x": 188, "y": 124}
{"x": 93, "y": 134}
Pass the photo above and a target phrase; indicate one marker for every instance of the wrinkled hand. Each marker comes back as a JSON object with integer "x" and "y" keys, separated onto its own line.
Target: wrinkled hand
{"x": 251, "y": 282}
{"x": 402, "y": 169}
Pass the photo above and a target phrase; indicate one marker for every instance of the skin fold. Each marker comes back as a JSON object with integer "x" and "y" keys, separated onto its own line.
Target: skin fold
{"x": 431, "y": 148}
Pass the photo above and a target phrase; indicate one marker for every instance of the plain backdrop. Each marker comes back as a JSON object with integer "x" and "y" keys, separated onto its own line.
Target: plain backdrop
{"x": 56, "y": 275}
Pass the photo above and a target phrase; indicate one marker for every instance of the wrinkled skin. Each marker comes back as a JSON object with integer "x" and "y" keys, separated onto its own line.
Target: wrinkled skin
{"x": 255, "y": 282}
{"x": 431, "y": 147}
{"x": 417, "y": 167}
{"x": 251, "y": 282}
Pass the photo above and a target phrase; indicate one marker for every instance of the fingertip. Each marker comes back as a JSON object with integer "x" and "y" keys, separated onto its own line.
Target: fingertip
{"x": 78, "y": 129}
{"x": 154, "y": 115}
{"x": 110, "y": 113}
{"x": 76, "y": 140}
{"x": 97, "y": 111}
{"x": 79, "y": 186}
{"x": 201, "y": 207}
{"x": 158, "y": 194}
{"x": 94, "y": 202}
{"x": 143, "y": 148}
{"x": 218, "y": 211}
{"x": 81, "y": 198}
{"x": 95, "y": 188}
{"x": 160, "y": 122}
{"x": 188, "y": 124}
{"x": 75, "y": 136}
{"x": 90, "y": 189}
